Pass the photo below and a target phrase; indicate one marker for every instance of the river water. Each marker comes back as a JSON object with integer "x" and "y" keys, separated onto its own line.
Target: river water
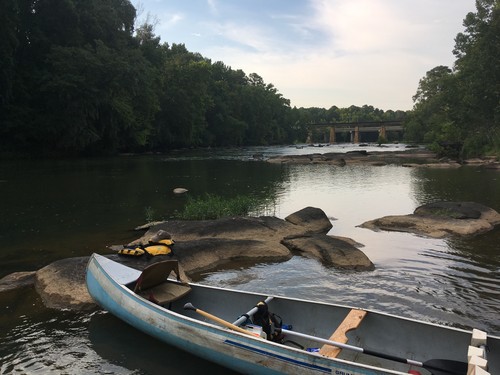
{"x": 58, "y": 209}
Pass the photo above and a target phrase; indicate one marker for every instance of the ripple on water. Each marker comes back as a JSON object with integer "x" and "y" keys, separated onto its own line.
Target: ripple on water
{"x": 436, "y": 286}
{"x": 58, "y": 345}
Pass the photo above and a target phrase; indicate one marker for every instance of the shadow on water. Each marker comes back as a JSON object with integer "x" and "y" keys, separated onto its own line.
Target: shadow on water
{"x": 36, "y": 340}
{"x": 122, "y": 345}
{"x": 59, "y": 209}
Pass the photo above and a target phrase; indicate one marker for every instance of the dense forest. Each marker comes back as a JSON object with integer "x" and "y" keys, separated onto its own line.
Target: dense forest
{"x": 457, "y": 110}
{"x": 81, "y": 77}
{"x": 77, "y": 78}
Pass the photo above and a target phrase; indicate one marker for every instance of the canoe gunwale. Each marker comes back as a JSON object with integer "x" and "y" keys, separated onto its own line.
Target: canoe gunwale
{"x": 128, "y": 303}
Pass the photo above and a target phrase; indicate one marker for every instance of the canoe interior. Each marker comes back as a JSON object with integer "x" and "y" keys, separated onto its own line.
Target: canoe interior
{"x": 378, "y": 332}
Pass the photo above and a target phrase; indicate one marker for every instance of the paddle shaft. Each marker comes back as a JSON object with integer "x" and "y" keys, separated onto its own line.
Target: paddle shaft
{"x": 224, "y": 323}
{"x": 350, "y": 347}
{"x": 450, "y": 363}
{"x": 377, "y": 354}
{"x": 249, "y": 314}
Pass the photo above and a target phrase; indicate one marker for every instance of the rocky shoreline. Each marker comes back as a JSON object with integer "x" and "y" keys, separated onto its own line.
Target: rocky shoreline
{"x": 411, "y": 157}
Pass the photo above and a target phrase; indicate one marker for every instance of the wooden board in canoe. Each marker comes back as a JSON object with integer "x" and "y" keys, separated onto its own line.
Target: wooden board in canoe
{"x": 366, "y": 341}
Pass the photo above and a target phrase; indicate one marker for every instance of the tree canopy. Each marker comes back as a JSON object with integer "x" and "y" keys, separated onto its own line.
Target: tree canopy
{"x": 78, "y": 77}
{"x": 461, "y": 106}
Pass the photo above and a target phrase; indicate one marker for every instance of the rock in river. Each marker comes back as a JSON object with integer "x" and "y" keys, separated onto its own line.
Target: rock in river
{"x": 441, "y": 219}
{"x": 209, "y": 244}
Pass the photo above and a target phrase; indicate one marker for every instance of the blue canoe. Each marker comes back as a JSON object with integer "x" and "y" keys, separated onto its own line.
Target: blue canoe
{"x": 207, "y": 322}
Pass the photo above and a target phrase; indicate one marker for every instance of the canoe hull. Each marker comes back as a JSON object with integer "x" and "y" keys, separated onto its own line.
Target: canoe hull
{"x": 233, "y": 350}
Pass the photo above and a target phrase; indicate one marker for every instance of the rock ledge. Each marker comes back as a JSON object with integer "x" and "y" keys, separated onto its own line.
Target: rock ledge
{"x": 207, "y": 245}
{"x": 441, "y": 219}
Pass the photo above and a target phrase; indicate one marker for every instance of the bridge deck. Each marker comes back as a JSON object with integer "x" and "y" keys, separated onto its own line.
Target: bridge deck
{"x": 361, "y": 124}
{"x": 366, "y": 128}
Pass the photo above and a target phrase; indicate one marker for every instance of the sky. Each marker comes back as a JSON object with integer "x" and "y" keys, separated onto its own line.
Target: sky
{"x": 319, "y": 53}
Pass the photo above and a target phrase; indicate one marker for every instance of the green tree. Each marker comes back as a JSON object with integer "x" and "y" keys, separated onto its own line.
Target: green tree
{"x": 225, "y": 124}
{"x": 184, "y": 100}
{"x": 264, "y": 110}
{"x": 462, "y": 107}
{"x": 82, "y": 82}
{"x": 430, "y": 120}
{"x": 478, "y": 72}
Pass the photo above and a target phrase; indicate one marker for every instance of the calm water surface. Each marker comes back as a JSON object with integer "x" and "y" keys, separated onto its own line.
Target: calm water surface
{"x": 57, "y": 209}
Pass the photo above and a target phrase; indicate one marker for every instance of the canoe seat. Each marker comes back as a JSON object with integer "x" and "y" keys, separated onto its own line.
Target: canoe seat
{"x": 153, "y": 285}
{"x": 350, "y": 322}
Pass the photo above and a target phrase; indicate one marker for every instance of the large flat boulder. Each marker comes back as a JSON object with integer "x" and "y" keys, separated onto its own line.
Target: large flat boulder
{"x": 208, "y": 254}
{"x": 239, "y": 227}
{"x": 441, "y": 219}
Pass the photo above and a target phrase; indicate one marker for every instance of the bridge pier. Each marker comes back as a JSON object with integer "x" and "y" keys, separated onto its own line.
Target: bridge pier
{"x": 332, "y": 135}
{"x": 381, "y": 132}
{"x": 356, "y": 134}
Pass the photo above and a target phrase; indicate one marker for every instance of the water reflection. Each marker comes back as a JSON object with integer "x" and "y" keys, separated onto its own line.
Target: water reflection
{"x": 350, "y": 194}
{"x": 58, "y": 209}
{"x": 74, "y": 207}
{"x": 452, "y": 281}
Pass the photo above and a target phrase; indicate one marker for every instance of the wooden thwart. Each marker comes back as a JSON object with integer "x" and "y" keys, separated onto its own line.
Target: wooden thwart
{"x": 350, "y": 322}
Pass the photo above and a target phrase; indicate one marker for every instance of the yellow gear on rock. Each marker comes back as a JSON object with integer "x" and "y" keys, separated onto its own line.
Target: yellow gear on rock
{"x": 167, "y": 241}
{"x": 157, "y": 248}
{"x": 133, "y": 252}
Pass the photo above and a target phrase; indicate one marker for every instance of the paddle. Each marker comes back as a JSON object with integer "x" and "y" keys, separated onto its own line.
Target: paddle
{"x": 189, "y": 306}
{"x": 435, "y": 366}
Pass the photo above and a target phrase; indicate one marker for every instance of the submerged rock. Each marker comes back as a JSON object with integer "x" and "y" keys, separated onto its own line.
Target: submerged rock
{"x": 331, "y": 251}
{"x": 441, "y": 219}
{"x": 17, "y": 280}
{"x": 180, "y": 190}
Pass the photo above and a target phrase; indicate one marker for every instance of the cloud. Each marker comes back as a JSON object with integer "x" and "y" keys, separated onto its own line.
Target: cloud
{"x": 213, "y": 7}
{"x": 172, "y": 20}
{"x": 248, "y": 36}
{"x": 325, "y": 52}
{"x": 348, "y": 65}
{"x": 366, "y": 52}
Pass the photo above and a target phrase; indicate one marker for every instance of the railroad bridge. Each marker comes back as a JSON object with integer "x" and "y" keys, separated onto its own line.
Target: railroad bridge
{"x": 355, "y": 128}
